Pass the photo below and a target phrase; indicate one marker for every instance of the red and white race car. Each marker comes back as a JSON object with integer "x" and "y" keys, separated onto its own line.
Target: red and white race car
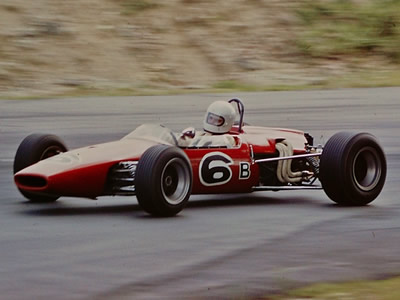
{"x": 163, "y": 168}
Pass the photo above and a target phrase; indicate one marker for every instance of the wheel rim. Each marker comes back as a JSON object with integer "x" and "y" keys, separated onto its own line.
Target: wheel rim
{"x": 175, "y": 181}
{"x": 51, "y": 151}
{"x": 367, "y": 169}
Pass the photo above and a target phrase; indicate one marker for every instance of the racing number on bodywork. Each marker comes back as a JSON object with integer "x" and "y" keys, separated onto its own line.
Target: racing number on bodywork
{"x": 215, "y": 169}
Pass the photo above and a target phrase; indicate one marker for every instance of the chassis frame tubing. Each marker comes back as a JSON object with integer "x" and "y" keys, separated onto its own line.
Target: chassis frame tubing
{"x": 264, "y": 160}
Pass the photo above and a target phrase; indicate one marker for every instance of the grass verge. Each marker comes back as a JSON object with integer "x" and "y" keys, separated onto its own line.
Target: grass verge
{"x": 387, "y": 289}
{"x": 360, "y": 79}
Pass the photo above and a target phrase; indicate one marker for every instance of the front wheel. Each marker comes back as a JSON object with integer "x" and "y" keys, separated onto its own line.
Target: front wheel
{"x": 352, "y": 168}
{"x": 163, "y": 180}
{"x": 33, "y": 149}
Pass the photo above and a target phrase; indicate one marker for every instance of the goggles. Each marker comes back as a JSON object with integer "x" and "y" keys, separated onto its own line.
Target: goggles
{"x": 215, "y": 120}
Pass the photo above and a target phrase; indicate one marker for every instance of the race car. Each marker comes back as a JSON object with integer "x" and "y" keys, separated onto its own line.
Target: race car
{"x": 163, "y": 168}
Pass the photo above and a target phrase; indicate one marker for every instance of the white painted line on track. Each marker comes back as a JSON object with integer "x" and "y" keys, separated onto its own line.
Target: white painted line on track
{"x": 6, "y": 159}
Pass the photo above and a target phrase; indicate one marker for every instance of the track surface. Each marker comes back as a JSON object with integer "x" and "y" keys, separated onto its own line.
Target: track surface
{"x": 227, "y": 247}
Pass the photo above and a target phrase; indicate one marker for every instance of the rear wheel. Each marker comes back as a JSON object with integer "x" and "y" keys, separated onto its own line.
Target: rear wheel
{"x": 32, "y": 149}
{"x": 163, "y": 180}
{"x": 352, "y": 168}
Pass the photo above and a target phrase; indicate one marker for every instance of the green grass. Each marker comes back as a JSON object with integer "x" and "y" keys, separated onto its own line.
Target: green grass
{"x": 135, "y": 6}
{"x": 345, "y": 27}
{"x": 233, "y": 85}
{"x": 388, "y": 289}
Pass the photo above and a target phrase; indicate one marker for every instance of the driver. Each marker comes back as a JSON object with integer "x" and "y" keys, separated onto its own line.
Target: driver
{"x": 218, "y": 121}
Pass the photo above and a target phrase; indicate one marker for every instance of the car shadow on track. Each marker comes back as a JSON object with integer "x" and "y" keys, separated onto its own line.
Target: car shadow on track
{"x": 247, "y": 200}
{"x": 60, "y": 209}
{"x": 63, "y": 208}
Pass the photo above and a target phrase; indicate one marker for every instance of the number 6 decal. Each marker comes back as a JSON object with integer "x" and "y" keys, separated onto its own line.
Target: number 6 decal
{"x": 214, "y": 169}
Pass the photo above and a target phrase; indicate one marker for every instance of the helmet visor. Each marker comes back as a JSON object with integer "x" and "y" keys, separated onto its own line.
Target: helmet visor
{"x": 215, "y": 120}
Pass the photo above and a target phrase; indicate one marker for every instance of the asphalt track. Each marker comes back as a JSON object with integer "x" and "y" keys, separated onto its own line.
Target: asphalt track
{"x": 232, "y": 246}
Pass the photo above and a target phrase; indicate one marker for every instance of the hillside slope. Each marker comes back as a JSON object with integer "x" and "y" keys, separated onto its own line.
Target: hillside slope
{"x": 50, "y": 47}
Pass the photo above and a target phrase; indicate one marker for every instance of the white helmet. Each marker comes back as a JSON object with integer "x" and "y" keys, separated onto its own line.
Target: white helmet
{"x": 219, "y": 117}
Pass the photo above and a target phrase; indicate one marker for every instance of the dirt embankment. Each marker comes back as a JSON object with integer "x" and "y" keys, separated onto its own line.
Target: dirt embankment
{"x": 52, "y": 47}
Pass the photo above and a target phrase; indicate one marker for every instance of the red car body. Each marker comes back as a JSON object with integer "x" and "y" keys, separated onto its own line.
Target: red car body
{"x": 83, "y": 172}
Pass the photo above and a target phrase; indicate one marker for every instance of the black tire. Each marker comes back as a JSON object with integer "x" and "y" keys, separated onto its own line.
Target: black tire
{"x": 163, "y": 180}
{"x": 352, "y": 168}
{"x": 32, "y": 149}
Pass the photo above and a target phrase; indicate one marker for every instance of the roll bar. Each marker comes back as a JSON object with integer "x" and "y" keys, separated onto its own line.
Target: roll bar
{"x": 240, "y": 108}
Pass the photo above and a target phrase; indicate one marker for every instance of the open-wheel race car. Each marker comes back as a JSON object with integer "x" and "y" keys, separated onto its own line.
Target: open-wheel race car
{"x": 163, "y": 168}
